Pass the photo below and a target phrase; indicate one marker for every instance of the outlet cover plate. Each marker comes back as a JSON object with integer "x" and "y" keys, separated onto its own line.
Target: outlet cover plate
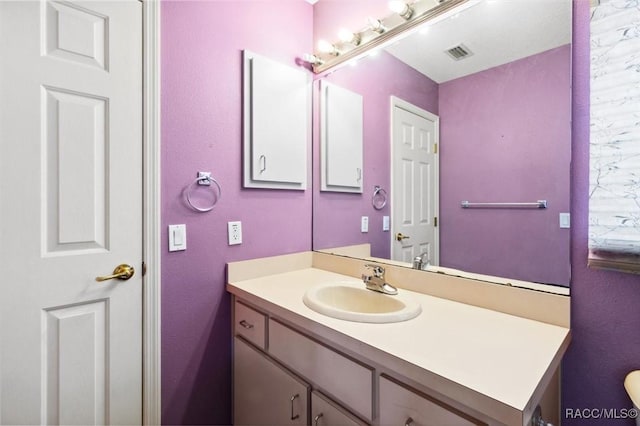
{"x": 364, "y": 224}
{"x": 235, "y": 232}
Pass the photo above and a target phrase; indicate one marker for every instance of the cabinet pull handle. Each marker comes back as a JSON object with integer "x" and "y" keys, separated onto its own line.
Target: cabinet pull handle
{"x": 316, "y": 419}
{"x": 409, "y": 422}
{"x": 246, "y": 325}
{"x": 359, "y": 174}
{"x": 263, "y": 163}
{"x": 293, "y": 398}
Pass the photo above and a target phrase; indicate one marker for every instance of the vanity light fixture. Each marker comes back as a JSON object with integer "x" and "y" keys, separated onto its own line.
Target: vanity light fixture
{"x": 401, "y": 8}
{"x": 347, "y": 36}
{"x": 408, "y": 16}
{"x": 326, "y": 47}
{"x": 376, "y": 25}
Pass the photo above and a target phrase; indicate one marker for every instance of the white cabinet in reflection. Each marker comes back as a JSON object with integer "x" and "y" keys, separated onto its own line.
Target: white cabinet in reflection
{"x": 277, "y": 111}
{"x": 341, "y": 139}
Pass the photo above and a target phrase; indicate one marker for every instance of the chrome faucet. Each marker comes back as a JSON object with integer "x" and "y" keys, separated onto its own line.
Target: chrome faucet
{"x": 421, "y": 262}
{"x": 376, "y": 282}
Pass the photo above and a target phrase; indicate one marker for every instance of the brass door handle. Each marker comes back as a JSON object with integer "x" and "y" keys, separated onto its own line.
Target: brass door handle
{"x": 122, "y": 272}
{"x": 401, "y": 237}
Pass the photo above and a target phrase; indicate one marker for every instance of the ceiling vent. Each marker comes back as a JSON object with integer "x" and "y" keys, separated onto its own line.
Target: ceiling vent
{"x": 459, "y": 52}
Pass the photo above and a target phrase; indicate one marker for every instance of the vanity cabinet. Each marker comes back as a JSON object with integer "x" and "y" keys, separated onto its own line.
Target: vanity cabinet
{"x": 284, "y": 377}
{"x": 265, "y": 393}
{"x": 400, "y": 405}
{"x": 345, "y": 379}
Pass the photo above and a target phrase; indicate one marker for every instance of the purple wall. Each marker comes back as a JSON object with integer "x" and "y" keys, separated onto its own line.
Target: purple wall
{"x": 509, "y": 121}
{"x": 605, "y": 319}
{"x": 336, "y": 216}
{"x": 202, "y": 130}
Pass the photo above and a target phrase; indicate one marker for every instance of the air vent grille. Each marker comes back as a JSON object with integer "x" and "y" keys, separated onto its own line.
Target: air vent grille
{"x": 459, "y": 52}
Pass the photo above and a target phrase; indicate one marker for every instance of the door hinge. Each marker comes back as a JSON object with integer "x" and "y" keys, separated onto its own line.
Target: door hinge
{"x": 435, "y": 221}
{"x": 144, "y": 269}
{"x": 435, "y": 148}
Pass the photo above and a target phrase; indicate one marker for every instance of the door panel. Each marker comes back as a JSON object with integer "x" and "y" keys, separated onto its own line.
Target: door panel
{"x": 75, "y": 340}
{"x": 76, "y": 164}
{"x": 70, "y": 210}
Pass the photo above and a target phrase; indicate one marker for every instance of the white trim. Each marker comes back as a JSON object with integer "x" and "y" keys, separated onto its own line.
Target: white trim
{"x": 151, "y": 396}
{"x": 402, "y": 104}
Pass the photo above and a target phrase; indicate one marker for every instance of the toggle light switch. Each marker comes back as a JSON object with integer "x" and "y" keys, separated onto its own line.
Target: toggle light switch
{"x": 177, "y": 237}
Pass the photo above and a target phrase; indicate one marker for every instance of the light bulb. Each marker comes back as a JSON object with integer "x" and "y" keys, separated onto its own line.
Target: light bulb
{"x": 312, "y": 59}
{"x": 347, "y": 36}
{"x": 401, "y": 8}
{"x": 376, "y": 25}
{"x": 326, "y": 47}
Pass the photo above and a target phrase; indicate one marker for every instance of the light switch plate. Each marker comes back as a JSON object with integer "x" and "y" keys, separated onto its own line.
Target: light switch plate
{"x": 177, "y": 237}
{"x": 565, "y": 220}
{"x": 385, "y": 223}
{"x": 364, "y": 224}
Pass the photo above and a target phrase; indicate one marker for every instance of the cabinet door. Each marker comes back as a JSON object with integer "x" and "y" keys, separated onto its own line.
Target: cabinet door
{"x": 402, "y": 406}
{"x": 263, "y": 392}
{"x": 326, "y": 413}
{"x": 341, "y": 138}
{"x": 277, "y": 105}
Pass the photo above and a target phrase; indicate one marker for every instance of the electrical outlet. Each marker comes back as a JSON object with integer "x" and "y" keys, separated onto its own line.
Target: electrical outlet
{"x": 235, "y": 232}
{"x": 364, "y": 224}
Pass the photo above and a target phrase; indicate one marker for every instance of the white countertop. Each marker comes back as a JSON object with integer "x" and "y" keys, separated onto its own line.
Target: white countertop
{"x": 501, "y": 356}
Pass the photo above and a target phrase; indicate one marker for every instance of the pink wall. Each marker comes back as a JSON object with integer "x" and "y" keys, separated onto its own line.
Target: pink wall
{"x": 202, "y": 130}
{"x": 504, "y": 136}
{"x": 336, "y": 216}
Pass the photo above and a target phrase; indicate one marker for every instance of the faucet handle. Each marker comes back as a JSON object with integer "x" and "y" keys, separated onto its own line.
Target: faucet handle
{"x": 378, "y": 271}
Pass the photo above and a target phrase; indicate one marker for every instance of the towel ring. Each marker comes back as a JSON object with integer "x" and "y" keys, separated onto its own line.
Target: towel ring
{"x": 379, "y": 198}
{"x": 190, "y": 188}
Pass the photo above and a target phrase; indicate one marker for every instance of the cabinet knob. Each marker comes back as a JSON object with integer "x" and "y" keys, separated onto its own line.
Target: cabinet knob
{"x": 316, "y": 419}
{"x": 293, "y": 398}
{"x": 409, "y": 422}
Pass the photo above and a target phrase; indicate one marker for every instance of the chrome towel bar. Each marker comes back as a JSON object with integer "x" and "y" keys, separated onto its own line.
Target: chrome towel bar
{"x": 540, "y": 204}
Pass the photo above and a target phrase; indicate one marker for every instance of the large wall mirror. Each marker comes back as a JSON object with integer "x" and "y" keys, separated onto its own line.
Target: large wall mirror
{"x": 475, "y": 107}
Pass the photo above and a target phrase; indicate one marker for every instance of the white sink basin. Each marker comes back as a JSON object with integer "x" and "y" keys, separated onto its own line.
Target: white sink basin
{"x": 348, "y": 302}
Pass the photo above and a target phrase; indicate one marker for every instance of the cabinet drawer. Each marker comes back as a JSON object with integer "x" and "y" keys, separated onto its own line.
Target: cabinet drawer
{"x": 401, "y": 405}
{"x": 340, "y": 377}
{"x": 250, "y": 324}
{"x": 326, "y": 413}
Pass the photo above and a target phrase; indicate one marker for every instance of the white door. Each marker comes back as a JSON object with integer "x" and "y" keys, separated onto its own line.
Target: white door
{"x": 70, "y": 210}
{"x": 414, "y": 183}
